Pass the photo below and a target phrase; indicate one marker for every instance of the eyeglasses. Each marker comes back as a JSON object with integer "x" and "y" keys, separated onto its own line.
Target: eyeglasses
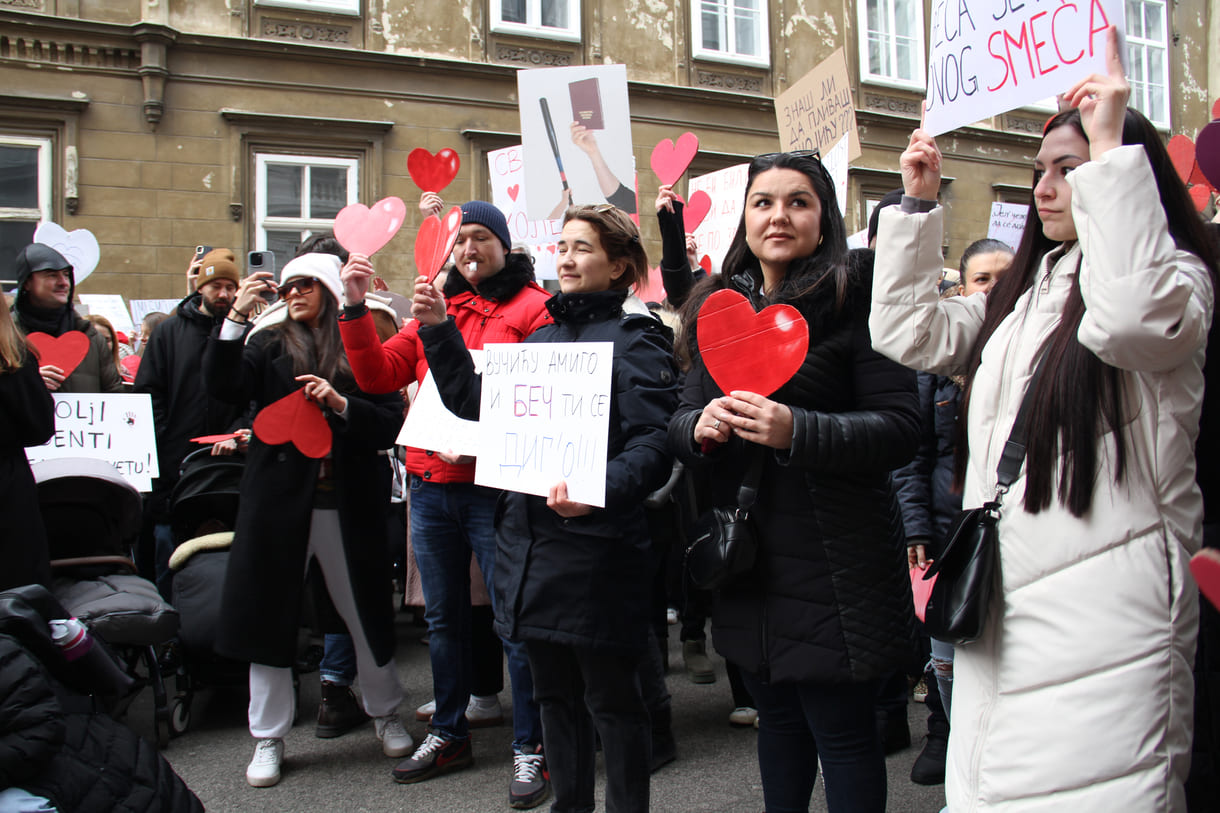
{"x": 302, "y": 285}
{"x": 771, "y": 156}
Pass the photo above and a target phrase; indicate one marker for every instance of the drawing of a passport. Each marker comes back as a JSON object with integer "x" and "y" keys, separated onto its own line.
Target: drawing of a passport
{"x": 587, "y": 103}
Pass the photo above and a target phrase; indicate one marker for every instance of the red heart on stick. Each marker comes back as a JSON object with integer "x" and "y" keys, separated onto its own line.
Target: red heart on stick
{"x": 435, "y": 241}
{"x": 363, "y": 230}
{"x": 432, "y": 173}
{"x": 744, "y": 350}
{"x": 1205, "y": 567}
{"x": 696, "y": 209}
{"x": 297, "y": 420}
{"x": 1201, "y": 195}
{"x": 65, "y": 352}
{"x": 1182, "y": 153}
{"x": 670, "y": 160}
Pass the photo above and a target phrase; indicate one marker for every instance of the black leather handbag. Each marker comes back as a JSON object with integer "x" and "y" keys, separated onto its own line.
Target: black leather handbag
{"x": 966, "y": 572}
{"x": 724, "y": 543}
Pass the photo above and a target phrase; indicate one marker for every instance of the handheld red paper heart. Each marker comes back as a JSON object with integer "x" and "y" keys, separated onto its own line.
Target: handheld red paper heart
{"x": 210, "y": 439}
{"x": 1182, "y": 154}
{"x": 1207, "y": 153}
{"x": 432, "y": 173}
{"x": 364, "y": 230}
{"x": 65, "y": 352}
{"x": 1205, "y": 567}
{"x": 297, "y": 420}
{"x": 696, "y": 210}
{"x": 744, "y": 350}
{"x": 921, "y": 590}
{"x": 1201, "y": 195}
{"x": 705, "y": 262}
{"x": 670, "y": 160}
{"x": 435, "y": 242}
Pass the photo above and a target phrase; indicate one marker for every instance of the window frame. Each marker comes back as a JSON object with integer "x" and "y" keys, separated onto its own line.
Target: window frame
{"x": 698, "y": 51}
{"x": 533, "y": 11}
{"x": 919, "y": 83}
{"x": 305, "y": 225}
{"x": 349, "y": 8}
{"x": 1143, "y": 44}
{"x": 43, "y": 212}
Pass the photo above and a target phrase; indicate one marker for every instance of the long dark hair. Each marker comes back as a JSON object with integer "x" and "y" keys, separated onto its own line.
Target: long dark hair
{"x": 826, "y": 265}
{"x": 1079, "y": 396}
{"x": 318, "y": 351}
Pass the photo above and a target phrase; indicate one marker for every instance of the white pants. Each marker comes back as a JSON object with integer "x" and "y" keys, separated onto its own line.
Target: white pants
{"x": 272, "y": 704}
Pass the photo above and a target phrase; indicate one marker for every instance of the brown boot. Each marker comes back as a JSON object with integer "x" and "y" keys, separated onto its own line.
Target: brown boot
{"x": 339, "y": 712}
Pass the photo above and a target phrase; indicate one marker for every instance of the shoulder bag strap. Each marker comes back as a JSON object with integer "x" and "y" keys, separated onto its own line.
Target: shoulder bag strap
{"x": 1014, "y": 450}
{"x": 748, "y": 492}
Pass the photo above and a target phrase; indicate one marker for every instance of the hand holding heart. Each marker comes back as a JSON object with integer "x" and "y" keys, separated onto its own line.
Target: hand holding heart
{"x": 428, "y": 305}
{"x": 52, "y": 376}
{"x": 356, "y": 275}
{"x": 748, "y": 415}
{"x": 321, "y": 391}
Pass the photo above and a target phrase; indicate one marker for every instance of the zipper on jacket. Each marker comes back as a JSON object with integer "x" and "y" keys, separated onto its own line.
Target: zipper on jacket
{"x": 764, "y": 666}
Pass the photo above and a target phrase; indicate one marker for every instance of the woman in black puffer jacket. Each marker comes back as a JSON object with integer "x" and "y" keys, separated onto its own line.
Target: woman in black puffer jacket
{"x": 827, "y": 609}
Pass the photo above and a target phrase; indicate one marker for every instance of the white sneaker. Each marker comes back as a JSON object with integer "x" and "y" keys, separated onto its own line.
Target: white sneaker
{"x": 671, "y": 616}
{"x": 395, "y": 741}
{"x": 743, "y": 716}
{"x": 424, "y": 713}
{"x": 481, "y": 712}
{"x": 264, "y": 769}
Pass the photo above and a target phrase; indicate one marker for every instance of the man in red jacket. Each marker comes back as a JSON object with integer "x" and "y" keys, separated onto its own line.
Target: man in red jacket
{"x": 493, "y": 298}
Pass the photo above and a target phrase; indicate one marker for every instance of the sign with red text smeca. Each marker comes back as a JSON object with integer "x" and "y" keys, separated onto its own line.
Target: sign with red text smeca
{"x": 990, "y": 56}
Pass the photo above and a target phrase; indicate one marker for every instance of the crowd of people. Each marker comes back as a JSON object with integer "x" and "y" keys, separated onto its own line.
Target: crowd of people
{"x": 1078, "y": 694}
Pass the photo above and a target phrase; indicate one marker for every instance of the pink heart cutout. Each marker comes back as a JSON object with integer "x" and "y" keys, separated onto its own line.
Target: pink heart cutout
{"x": 435, "y": 242}
{"x": 733, "y": 339}
{"x": 1205, "y": 567}
{"x": 65, "y": 352}
{"x": 514, "y": 190}
{"x": 432, "y": 173}
{"x": 921, "y": 590}
{"x": 670, "y": 160}
{"x": 696, "y": 209}
{"x": 364, "y": 230}
{"x": 654, "y": 289}
{"x": 1182, "y": 154}
{"x": 297, "y": 420}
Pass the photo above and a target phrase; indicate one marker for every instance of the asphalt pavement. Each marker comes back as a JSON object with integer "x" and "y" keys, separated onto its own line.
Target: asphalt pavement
{"x": 716, "y": 769}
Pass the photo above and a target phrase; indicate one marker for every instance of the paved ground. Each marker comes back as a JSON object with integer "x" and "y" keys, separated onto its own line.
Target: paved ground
{"x": 716, "y": 770}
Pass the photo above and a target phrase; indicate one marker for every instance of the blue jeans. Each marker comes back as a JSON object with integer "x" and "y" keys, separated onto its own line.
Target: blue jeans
{"x": 449, "y": 522}
{"x": 800, "y": 723}
{"x": 338, "y": 664}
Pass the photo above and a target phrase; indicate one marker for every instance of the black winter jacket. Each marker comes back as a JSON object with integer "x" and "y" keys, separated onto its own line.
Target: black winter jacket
{"x": 829, "y": 598}
{"x": 584, "y": 581}
{"x": 27, "y": 418}
{"x": 925, "y": 485}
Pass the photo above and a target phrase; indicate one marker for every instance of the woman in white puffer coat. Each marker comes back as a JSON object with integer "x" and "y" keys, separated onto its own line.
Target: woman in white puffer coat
{"x": 1078, "y": 695}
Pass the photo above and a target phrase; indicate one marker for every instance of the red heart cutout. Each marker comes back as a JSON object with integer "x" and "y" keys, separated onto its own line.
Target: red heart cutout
{"x": 552, "y": 248}
{"x": 1201, "y": 195}
{"x": 296, "y": 419}
{"x": 65, "y": 352}
{"x": 744, "y": 350}
{"x": 1216, "y": 109}
{"x": 670, "y": 160}
{"x": 1207, "y": 153}
{"x": 432, "y": 173}
{"x": 435, "y": 242}
{"x": 363, "y": 230}
{"x": 1182, "y": 154}
{"x": 696, "y": 210}
{"x": 210, "y": 439}
{"x": 705, "y": 262}
{"x": 921, "y": 590}
{"x": 1205, "y": 567}
{"x": 514, "y": 190}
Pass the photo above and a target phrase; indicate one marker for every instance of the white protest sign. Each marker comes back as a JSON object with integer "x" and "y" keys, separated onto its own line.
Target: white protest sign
{"x": 507, "y": 171}
{"x": 990, "y": 56}
{"x": 545, "y": 418}
{"x": 112, "y": 307}
{"x": 835, "y": 160}
{"x": 142, "y": 307}
{"x": 430, "y": 425}
{"x": 1007, "y": 222}
{"x": 117, "y": 428}
{"x": 727, "y": 189}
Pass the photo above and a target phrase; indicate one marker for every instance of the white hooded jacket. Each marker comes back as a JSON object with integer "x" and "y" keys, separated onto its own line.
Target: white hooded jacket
{"x": 1078, "y": 696}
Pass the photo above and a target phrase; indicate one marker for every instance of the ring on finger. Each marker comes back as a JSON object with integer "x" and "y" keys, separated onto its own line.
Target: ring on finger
{"x": 716, "y": 424}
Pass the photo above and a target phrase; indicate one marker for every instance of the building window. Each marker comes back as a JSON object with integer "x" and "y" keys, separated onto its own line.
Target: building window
{"x": 1148, "y": 64}
{"x": 891, "y": 42}
{"x": 731, "y": 31}
{"x": 299, "y": 195}
{"x": 25, "y": 195}
{"x": 351, "y": 7}
{"x": 553, "y": 19}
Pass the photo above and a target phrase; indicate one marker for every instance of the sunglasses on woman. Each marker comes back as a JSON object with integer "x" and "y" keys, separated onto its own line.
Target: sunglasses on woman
{"x": 302, "y": 285}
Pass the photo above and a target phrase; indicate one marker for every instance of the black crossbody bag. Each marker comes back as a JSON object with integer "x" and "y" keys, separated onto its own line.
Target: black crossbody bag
{"x": 966, "y": 573}
{"x": 724, "y": 543}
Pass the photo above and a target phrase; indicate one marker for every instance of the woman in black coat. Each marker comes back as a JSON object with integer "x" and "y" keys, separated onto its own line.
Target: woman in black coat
{"x": 573, "y": 581}
{"x": 295, "y": 507}
{"x": 27, "y": 418}
{"x": 827, "y": 608}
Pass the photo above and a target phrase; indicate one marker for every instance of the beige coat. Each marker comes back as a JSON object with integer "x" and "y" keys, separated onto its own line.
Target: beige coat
{"x": 1078, "y": 697}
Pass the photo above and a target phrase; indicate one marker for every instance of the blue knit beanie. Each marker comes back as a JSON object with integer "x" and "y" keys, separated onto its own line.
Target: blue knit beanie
{"x": 483, "y": 213}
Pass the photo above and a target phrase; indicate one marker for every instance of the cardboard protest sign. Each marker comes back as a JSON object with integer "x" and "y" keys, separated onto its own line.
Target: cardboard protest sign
{"x": 1007, "y": 223}
{"x": 430, "y": 425}
{"x": 727, "y": 190}
{"x": 117, "y": 428}
{"x": 818, "y": 110}
{"x": 576, "y": 137}
{"x": 545, "y": 418}
{"x": 507, "y": 173}
{"x": 112, "y": 307}
{"x": 990, "y": 56}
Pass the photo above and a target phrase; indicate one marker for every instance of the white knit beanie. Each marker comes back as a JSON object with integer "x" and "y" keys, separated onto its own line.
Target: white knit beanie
{"x": 322, "y": 267}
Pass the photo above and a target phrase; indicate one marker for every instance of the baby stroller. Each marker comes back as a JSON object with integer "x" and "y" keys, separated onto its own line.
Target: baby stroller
{"x": 92, "y": 518}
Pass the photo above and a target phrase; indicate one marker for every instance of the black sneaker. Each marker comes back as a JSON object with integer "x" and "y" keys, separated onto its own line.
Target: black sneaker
{"x": 531, "y": 783}
{"x": 436, "y": 755}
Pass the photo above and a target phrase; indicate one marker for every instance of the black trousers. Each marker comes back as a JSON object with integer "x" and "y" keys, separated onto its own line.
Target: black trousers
{"x": 578, "y": 691}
